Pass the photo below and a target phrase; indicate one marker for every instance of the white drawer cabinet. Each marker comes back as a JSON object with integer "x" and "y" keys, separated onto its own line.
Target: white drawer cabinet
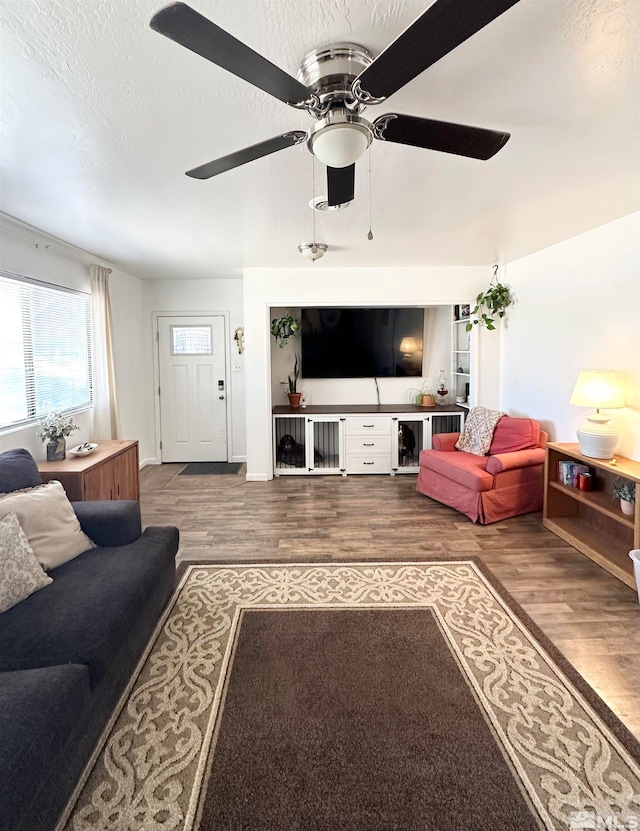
{"x": 368, "y": 445}
{"x": 368, "y": 426}
{"x": 335, "y": 440}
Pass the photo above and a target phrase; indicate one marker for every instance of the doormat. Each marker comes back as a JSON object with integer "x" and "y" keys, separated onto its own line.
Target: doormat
{"x": 210, "y": 468}
{"x": 364, "y": 696}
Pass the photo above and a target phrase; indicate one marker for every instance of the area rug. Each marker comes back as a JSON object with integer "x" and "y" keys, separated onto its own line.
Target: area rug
{"x": 210, "y": 468}
{"x": 363, "y": 697}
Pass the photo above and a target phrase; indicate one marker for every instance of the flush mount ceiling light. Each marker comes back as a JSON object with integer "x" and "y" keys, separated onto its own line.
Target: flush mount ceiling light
{"x": 313, "y": 250}
{"x": 340, "y": 139}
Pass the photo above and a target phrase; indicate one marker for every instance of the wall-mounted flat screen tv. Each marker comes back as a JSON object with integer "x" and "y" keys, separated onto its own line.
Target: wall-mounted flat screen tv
{"x": 362, "y": 343}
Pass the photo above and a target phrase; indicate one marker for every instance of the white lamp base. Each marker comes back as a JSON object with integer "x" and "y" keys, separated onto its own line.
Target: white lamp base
{"x": 597, "y": 438}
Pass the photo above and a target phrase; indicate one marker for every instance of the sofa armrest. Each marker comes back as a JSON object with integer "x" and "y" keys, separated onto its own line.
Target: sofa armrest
{"x": 445, "y": 441}
{"x": 109, "y": 523}
{"x": 514, "y": 460}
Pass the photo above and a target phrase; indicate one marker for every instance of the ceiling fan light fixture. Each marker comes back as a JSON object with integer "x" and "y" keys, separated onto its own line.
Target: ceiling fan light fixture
{"x": 340, "y": 139}
{"x": 313, "y": 250}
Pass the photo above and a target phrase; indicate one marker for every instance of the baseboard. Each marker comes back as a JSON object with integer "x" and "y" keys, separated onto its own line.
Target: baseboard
{"x": 240, "y": 459}
{"x": 257, "y": 477}
{"x": 152, "y": 461}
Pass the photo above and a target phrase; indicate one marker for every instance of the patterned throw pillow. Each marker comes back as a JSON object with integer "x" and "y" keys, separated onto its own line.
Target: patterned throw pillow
{"x": 20, "y": 572}
{"x": 478, "y": 430}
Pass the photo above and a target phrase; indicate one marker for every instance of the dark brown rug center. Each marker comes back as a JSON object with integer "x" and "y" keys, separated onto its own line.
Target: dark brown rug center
{"x": 354, "y": 720}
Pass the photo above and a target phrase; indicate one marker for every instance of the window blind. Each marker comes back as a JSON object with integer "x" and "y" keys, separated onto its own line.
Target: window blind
{"x": 45, "y": 349}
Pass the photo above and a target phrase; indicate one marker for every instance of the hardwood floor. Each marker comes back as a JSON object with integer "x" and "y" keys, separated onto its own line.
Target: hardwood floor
{"x": 591, "y": 617}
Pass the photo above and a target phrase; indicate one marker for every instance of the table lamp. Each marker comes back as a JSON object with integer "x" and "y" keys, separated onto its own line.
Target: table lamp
{"x": 597, "y": 388}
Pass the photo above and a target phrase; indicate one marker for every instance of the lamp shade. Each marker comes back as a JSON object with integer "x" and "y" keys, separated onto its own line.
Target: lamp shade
{"x": 597, "y": 388}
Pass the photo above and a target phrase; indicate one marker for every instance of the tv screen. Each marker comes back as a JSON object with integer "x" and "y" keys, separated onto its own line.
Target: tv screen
{"x": 362, "y": 343}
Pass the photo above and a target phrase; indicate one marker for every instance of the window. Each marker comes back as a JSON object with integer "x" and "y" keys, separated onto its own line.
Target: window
{"x": 45, "y": 349}
{"x": 191, "y": 340}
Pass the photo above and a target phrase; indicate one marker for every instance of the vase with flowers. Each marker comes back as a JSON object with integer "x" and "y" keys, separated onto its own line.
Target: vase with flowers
{"x": 54, "y": 429}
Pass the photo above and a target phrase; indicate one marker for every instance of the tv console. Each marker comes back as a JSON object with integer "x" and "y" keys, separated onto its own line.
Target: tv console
{"x": 357, "y": 438}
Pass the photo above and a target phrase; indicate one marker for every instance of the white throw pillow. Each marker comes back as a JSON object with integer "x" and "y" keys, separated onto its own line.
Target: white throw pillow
{"x": 20, "y": 572}
{"x": 49, "y": 522}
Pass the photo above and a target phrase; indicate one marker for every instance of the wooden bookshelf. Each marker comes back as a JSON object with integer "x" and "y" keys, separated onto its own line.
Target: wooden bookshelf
{"x": 591, "y": 521}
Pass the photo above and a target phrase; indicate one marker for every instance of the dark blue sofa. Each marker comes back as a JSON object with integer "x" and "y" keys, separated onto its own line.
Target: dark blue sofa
{"x": 68, "y": 650}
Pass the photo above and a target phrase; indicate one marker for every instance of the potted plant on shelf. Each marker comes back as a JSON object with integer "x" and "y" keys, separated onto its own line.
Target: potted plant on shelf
{"x": 55, "y": 427}
{"x": 285, "y": 327}
{"x": 490, "y": 304}
{"x": 625, "y": 491}
{"x": 423, "y": 396}
{"x": 294, "y": 395}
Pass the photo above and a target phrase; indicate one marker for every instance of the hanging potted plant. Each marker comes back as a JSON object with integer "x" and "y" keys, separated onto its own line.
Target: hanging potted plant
{"x": 625, "y": 491}
{"x": 285, "y": 327}
{"x": 55, "y": 428}
{"x": 292, "y": 381}
{"x": 490, "y": 304}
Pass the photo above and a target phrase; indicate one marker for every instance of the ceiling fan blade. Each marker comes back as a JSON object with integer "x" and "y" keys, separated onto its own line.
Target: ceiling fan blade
{"x": 474, "y": 142}
{"x": 248, "y": 154}
{"x": 187, "y": 27}
{"x": 340, "y": 184}
{"x": 445, "y": 25}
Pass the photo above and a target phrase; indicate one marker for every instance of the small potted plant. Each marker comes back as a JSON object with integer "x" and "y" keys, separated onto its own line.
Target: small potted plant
{"x": 292, "y": 380}
{"x": 55, "y": 428}
{"x": 285, "y": 327}
{"x": 625, "y": 491}
{"x": 423, "y": 396}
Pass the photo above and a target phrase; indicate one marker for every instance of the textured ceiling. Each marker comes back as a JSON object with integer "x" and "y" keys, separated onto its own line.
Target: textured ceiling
{"x": 101, "y": 116}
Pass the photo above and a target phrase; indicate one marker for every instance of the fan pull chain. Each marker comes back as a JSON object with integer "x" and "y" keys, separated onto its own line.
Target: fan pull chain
{"x": 313, "y": 196}
{"x": 370, "y": 234}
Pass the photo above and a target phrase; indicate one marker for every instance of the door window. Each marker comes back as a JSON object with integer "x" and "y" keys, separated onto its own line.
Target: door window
{"x": 192, "y": 340}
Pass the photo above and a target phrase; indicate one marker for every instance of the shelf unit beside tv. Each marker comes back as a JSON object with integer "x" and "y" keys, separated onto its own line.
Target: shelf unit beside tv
{"x": 462, "y": 356}
{"x": 591, "y": 521}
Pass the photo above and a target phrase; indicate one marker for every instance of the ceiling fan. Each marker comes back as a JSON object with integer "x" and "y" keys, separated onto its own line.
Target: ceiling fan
{"x": 336, "y": 83}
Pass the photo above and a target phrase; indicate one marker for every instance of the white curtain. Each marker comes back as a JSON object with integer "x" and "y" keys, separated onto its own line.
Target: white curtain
{"x": 105, "y": 411}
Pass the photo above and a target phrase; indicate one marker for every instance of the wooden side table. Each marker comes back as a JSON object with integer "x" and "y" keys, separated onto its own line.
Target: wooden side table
{"x": 110, "y": 472}
{"x": 592, "y": 521}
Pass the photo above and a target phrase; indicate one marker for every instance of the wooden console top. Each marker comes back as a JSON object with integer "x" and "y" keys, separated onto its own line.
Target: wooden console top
{"x": 369, "y": 409}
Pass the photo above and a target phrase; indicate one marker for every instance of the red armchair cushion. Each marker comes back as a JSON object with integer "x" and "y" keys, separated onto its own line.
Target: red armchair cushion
{"x": 515, "y": 460}
{"x": 512, "y": 434}
{"x": 444, "y": 441}
{"x": 464, "y": 468}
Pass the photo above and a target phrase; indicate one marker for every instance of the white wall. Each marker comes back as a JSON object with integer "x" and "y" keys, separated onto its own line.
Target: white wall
{"x": 266, "y": 288}
{"x": 179, "y": 296}
{"x": 577, "y": 307}
{"x": 31, "y": 253}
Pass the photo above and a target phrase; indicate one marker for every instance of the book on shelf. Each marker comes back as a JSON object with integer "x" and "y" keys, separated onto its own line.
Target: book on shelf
{"x": 568, "y": 473}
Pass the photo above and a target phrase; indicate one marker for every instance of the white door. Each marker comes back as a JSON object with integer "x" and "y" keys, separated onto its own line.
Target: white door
{"x": 193, "y": 389}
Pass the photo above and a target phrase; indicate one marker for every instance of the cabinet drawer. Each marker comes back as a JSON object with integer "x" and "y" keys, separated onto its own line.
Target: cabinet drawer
{"x": 368, "y": 444}
{"x": 368, "y": 426}
{"x": 369, "y": 463}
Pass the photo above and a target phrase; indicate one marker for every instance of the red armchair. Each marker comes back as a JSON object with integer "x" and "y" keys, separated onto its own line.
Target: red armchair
{"x": 505, "y": 483}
